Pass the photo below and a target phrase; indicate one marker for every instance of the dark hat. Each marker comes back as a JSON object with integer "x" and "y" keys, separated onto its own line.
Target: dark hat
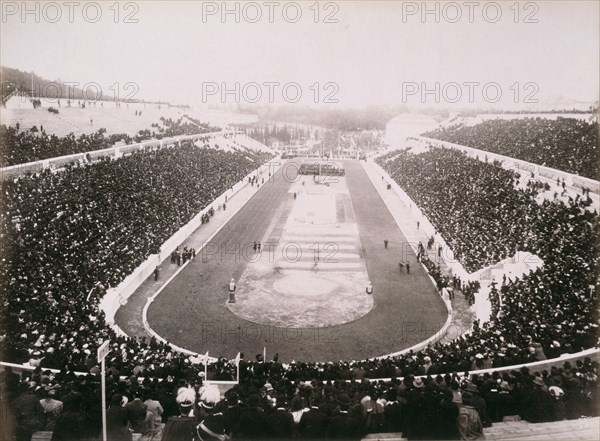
{"x": 472, "y": 387}
{"x": 232, "y": 397}
{"x": 343, "y": 399}
{"x": 116, "y": 399}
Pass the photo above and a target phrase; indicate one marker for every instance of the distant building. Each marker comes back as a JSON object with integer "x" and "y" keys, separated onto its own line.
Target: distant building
{"x": 407, "y": 124}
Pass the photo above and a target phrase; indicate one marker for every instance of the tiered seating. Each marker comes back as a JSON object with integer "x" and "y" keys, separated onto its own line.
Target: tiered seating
{"x": 20, "y": 145}
{"x": 484, "y": 218}
{"x": 566, "y": 144}
{"x": 52, "y": 265}
{"x": 88, "y": 228}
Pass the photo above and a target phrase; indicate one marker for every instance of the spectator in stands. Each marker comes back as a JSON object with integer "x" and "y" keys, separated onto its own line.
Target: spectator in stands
{"x": 52, "y": 407}
{"x": 500, "y": 402}
{"x": 313, "y": 423}
{"x": 281, "y": 420}
{"x": 211, "y": 423}
{"x": 18, "y": 147}
{"x": 469, "y": 422}
{"x": 154, "y": 406}
{"x": 75, "y": 424}
{"x": 253, "y": 423}
{"x": 29, "y": 412}
{"x": 182, "y": 427}
{"x": 448, "y": 417}
{"x": 343, "y": 425}
{"x": 567, "y": 144}
{"x": 137, "y": 414}
{"x": 117, "y": 428}
{"x": 478, "y": 403}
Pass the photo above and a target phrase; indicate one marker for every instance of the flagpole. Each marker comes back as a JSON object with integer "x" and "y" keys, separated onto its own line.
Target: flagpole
{"x": 206, "y": 366}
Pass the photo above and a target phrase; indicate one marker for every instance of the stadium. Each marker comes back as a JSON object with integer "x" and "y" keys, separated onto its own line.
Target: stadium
{"x": 175, "y": 271}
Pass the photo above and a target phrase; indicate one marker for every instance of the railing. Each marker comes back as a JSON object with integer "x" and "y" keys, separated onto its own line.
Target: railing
{"x": 593, "y": 354}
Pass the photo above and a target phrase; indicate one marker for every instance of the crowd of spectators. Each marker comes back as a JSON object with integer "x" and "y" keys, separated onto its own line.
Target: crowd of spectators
{"x": 484, "y": 218}
{"x": 566, "y": 144}
{"x": 271, "y": 403}
{"x": 474, "y": 206}
{"x": 69, "y": 235}
{"x": 18, "y": 146}
{"x": 180, "y": 127}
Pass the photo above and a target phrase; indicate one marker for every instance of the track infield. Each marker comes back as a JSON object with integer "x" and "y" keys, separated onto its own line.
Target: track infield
{"x": 338, "y": 321}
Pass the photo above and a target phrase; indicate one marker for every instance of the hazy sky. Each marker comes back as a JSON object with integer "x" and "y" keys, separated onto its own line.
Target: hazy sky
{"x": 372, "y": 53}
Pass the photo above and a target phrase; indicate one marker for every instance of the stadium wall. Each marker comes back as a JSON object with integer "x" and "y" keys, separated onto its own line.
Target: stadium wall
{"x": 520, "y": 165}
